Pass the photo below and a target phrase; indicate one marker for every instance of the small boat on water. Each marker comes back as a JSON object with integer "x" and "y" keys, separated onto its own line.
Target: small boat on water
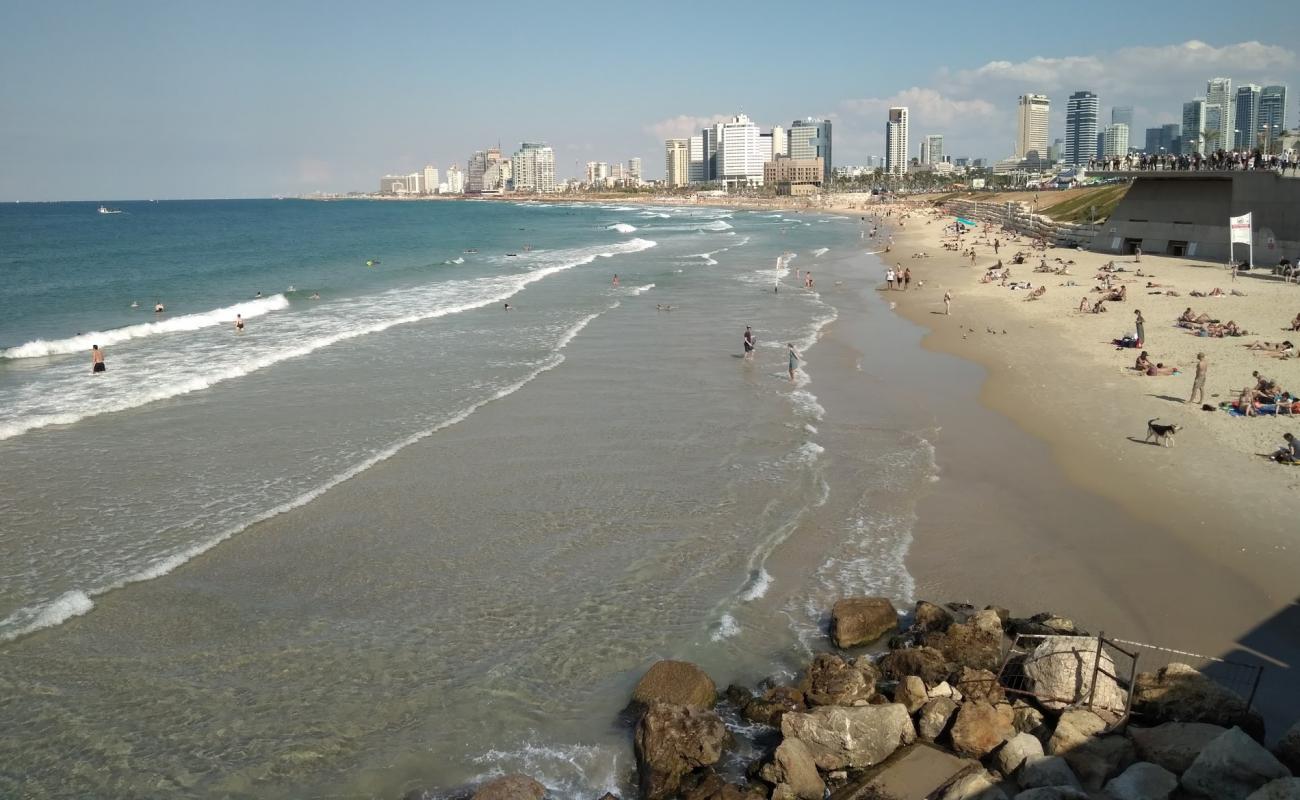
{"x": 472, "y": 250}
{"x": 107, "y": 210}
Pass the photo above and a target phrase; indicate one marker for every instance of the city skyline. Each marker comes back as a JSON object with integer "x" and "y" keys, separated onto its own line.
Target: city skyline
{"x": 244, "y": 100}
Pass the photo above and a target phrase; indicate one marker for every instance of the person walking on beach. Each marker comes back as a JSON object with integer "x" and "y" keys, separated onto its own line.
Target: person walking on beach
{"x": 947, "y": 303}
{"x": 889, "y": 279}
{"x": 1198, "y": 383}
{"x": 96, "y": 359}
{"x": 794, "y": 359}
{"x": 907, "y": 278}
{"x": 749, "y": 342}
{"x": 1140, "y": 324}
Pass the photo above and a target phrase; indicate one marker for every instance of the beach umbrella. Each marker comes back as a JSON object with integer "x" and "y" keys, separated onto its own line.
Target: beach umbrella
{"x": 965, "y": 221}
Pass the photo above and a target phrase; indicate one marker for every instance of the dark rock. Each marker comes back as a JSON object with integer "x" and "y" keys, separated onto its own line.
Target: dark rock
{"x": 1179, "y": 693}
{"x": 831, "y": 681}
{"x": 1043, "y": 771}
{"x": 935, "y": 717}
{"x": 967, "y": 645}
{"x": 930, "y": 617}
{"x": 1232, "y": 767}
{"x": 1280, "y": 789}
{"x": 1288, "y": 749}
{"x": 1173, "y": 745}
{"x": 511, "y": 787}
{"x": 1143, "y": 781}
{"x": 676, "y": 683}
{"x": 1097, "y": 760}
{"x": 671, "y": 742}
{"x": 926, "y": 663}
{"x": 793, "y": 765}
{"x": 767, "y": 710}
{"x": 857, "y": 621}
{"x": 1003, "y": 614}
{"x": 710, "y": 786}
{"x": 739, "y": 696}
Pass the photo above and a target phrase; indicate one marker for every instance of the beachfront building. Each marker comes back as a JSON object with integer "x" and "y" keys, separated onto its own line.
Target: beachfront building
{"x": 533, "y": 168}
{"x": 896, "y": 141}
{"x": 794, "y": 176}
{"x": 1193, "y": 132}
{"x": 1115, "y": 141}
{"x": 932, "y": 149}
{"x": 740, "y": 153}
{"x": 695, "y": 158}
{"x": 1122, "y": 115}
{"x": 430, "y": 185}
{"x": 1031, "y": 138}
{"x": 811, "y": 138}
{"x": 474, "y": 172}
{"x": 634, "y": 171}
{"x": 1246, "y": 121}
{"x": 1164, "y": 139}
{"x": 597, "y": 173}
{"x": 677, "y": 162}
{"x": 1219, "y": 116}
{"x": 780, "y": 142}
{"x": 1271, "y": 120}
{"x": 710, "y": 137}
{"x": 455, "y": 180}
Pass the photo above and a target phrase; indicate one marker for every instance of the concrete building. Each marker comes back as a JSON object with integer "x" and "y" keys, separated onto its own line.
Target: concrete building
{"x": 695, "y": 157}
{"x": 677, "y": 162}
{"x": 711, "y": 136}
{"x": 455, "y": 180}
{"x": 896, "y": 141}
{"x": 1032, "y": 119}
{"x": 780, "y": 142}
{"x": 474, "y": 172}
{"x": 1164, "y": 139}
{"x": 740, "y": 153}
{"x": 533, "y": 168}
{"x": 794, "y": 176}
{"x": 1193, "y": 131}
{"x": 932, "y": 149}
{"x": 1246, "y": 122}
{"x": 1271, "y": 121}
{"x": 1219, "y": 114}
{"x": 634, "y": 171}
{"x": 430, "y": 179}
{"x": 392, "y": 184}
{"x": 1122, "y": 115}
{"x": 1115, "y": 139}
{"x": 1056, "y": 151}
{"x": 811, "y": 138}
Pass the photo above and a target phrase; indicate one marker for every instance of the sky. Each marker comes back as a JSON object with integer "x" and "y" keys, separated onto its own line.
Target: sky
{"x": 240, "y": 98}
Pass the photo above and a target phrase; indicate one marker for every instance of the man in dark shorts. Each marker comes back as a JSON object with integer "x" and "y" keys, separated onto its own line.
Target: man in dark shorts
{"x": 749, "y": 342}
{"x": 96, "y": 359}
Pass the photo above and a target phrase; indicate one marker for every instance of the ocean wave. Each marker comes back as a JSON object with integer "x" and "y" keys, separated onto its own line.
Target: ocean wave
{"x": 821, "y": 251}
{"x": 621, "y": 227}
{"x": 34, "y": 617}
{"x": 566, "y": 770}
{"x": 40, "y": 348}
{"x": 635, "y": 290}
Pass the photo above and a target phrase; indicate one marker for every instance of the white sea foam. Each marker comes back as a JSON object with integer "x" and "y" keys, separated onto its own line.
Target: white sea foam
{"x": 716, "y": 225}
{"x": 805, "y": 402}
{"x": 39, "y": 348}
{"x": 621, "y": 227}
{"x": 635, "y": 290}
{"x": 757, "y": 586}
{"x": 566, "y": 770}
{"x": 727, "y": 628}
{"x": 821, "y": 251}
{"x": 76, "y": 602}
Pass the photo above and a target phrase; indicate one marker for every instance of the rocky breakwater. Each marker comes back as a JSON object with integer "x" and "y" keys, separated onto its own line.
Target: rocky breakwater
{"x": 941, "y": 709}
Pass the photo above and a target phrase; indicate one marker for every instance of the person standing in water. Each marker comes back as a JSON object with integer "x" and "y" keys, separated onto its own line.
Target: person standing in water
{"x": 749, "y": 342}
{"x": 794, "y": 359}
{"x": 615, "y": 279}
{"x": 96, "y": 359}
{"x": 239, "y": 323}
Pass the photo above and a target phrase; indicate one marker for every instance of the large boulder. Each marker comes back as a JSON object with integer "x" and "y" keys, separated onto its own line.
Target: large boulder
{"x": 1076, "y": 726}
{"x": 1142, "y": 781}
{"x": 831, "y": 681}
{"x": 678, "y": 683}
{"x": 1231, "y": 767}
{"x": 707, "y": 785}
{"x": 926, "y": 663}
{"x": 671, "y": 742}
{"x": 935, "y": 717}
{"x": 1173, "y": 745}
{"x": 967, "y": 645}
{"x": 1027, "y": 719}
{"x": 988, "y": 621}
{"x": 1280, "y": 789}
{"x": 1288, "y": 749}
{"x": 1042, "y": 771}
{"x": 979, "y": 729}
{"x": 1053, "y": 793}
{"x": 1060, "y": 671}
{"x": 793, "y": 765}
{"x": 930, "y": 617}
{"x": 840, "y": 737}
{"x": 973, "y": 786}
{"x": 1179, "y": 693}
{"x": 511, "y": 787}
{"x": 979, "y": 684}
{"x": 911, "y": 692}
{"x": 767, "y": 709}
{"x": 1017, "y": 749}
{"x": 1097, "y": 760}
{"x": 857, "y": 621}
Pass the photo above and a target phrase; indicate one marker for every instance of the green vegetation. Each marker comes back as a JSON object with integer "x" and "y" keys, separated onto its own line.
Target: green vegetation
{"x": 1089, "y": 206}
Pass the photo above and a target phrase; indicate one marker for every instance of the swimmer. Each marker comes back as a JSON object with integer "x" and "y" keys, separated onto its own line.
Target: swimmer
{"x": 159, "y": 308}
{"x": 615, "y": 279}
{"x": 96, "y": 359}
{"x": 507, "y": 307}
{"x": 134, "y": 304}
{"x": 239, "y": 323}
{"x": 314, "y": 296}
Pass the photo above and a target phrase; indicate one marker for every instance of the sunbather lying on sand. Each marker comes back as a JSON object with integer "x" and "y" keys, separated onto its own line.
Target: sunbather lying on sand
{"x": 1271, "y": 347}
{"x": 1216, "y": 292}
{"x": 1189, "y": 316}
{"x": 1155, "y": 370}
{"x": 1037, "y": 293}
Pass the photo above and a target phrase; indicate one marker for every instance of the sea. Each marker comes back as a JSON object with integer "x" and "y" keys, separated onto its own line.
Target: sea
{"x": 467, "y": 470}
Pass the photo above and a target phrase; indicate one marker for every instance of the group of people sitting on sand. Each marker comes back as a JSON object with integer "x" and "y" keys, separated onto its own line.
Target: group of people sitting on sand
{"x": 1146, "y": 366}
{"x": 1264, "y": 395}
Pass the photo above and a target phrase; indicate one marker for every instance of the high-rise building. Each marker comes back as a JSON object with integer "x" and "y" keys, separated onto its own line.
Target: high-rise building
{"x": 430, "y": 179}
{"x": 740, "y": 153}
{"x": 1080, "y": 128}
{"x": 1056, "y": 151}
{"x": 711, "y": 136}
{"x": 811, "y": 138}
{"x": 1219, "y": 121}
{"x": 1031, "y": 141}
{"x": 1193, "y": 131}
{"x": 780, "y": 142}
{"x": 1162, "y": 140}
{"x": 677, "y": 162}
{"x": 1246, "y": 122}
{"x": 932, "y": 149}
{"x": 533, "y": 168}
{"x": 455, "y": 180}
{"x": 896, "y": 141}
{"x": 1122, "y": 115}
{"x": 634, "y": 171}
{"x": 1116, "y": 140}
{"x": 1272, "y": 116}
{"x": 695, "y": 156}
{"x": 474, "y": 172}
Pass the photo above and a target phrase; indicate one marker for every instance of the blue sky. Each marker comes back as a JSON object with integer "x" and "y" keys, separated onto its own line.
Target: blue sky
{"x": 148, "y": 99}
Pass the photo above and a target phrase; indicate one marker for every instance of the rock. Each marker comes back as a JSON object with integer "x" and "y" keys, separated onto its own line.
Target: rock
{"x": 1027, "y": 719}
{"x": 935, "y": 717}
{"x": 1003, "y": 613}
{"x": 1097, "y": 760}
{"x": 944, "y": 689}
{"x": 1231, "y": 767}
{"x": 710, "y": 786}
{"x": 1288, "y": 749}
{"x": 1076, "y": 726}
{"x": 767, "y": 710}
{"x": 840, "y": 737}
{"x": 975, "y": 786}
{"x": 979, "y": 684}
{"x": 856, "y": 621}
{"x": 967, "y": 645}
{"x": 1143, "y": 781}
{"x": 1040, "y": 771}
{"x": 930, "y": 617}
{"x": 1280, "y": 789}
{"x": 987, "y": 621}
{"x": 793, "y": 765}
{"x": 911, "y": 693}
{"x": 1173, "y": 745}
{"x": 979, "y": 729}
{"x": 1060, "y": 671}
{"x": 1179, "y": 693}
{"x": 925, "y": 663}
{"x": 1053, "y": 793}
{"x": 831, "y": 681}
{"x": 678, "y": 683}
{"x": 511, "y": 787}
{"x": 1016, "y": 750}
{"x": 1045, "y": 624}
{"x": 671, "y": 742}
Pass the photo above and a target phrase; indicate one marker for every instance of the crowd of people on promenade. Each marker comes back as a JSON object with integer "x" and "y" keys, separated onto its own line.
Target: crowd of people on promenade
{"x": 1217, "y": 161}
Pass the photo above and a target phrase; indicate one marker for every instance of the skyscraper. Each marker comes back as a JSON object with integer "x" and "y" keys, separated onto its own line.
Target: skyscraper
{"x": 1272, "y": 112}
{"x": 533, "y": 169}
{"x": 1116, "y": 140}
{"x": 1031, "y": 143}
{"x": 677, "y": 162}
{"x": 1219, "y": 121}
{"x": 896, "y": 141}
{"x": 1162, "y": 140}
{"x": 634, "y": 171}
{"x": 932, "y": 149}
{"x": 474, "y": 172}
{"x": 780, "y": 142}
{"x": 1246, "y": 122}
{"x": 1080, "y": 128}
{"x": 811, "y": 138}
{"x": 695, "y": 146}
{"x": 455, "y": 180}
{"x": 1194, "y": 126}
{"x": 740, "y": 154}
{"x": 1122, "y": 115}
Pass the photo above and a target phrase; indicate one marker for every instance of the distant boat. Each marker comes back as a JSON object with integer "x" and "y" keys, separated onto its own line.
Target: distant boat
{"x": 107, "y": 210}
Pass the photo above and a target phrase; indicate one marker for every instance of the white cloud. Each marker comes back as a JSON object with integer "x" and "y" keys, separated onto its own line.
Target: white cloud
{"x": 927, "y": 105}
{"x": 682, "y": 126}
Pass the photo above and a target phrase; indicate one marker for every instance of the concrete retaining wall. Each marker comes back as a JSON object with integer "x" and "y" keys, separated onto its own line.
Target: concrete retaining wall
{"x": 1017, "y": 217}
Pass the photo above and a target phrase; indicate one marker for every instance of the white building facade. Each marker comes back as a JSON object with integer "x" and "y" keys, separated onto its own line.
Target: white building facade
{"x": 1032, "y": 118}
{"x": 896, "y": 141}
{"x": 741, "y": 154}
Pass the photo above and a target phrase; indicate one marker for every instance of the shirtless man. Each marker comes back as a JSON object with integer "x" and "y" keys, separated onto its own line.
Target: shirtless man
{"x": 96, "y": 359}
{"x": 1198, "y": 383}
{"x": 239, "y": 323}
{"x": 749, "y": 342}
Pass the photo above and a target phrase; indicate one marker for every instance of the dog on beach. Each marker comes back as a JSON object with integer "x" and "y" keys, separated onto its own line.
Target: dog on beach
{"x": 1162, "y": 434}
